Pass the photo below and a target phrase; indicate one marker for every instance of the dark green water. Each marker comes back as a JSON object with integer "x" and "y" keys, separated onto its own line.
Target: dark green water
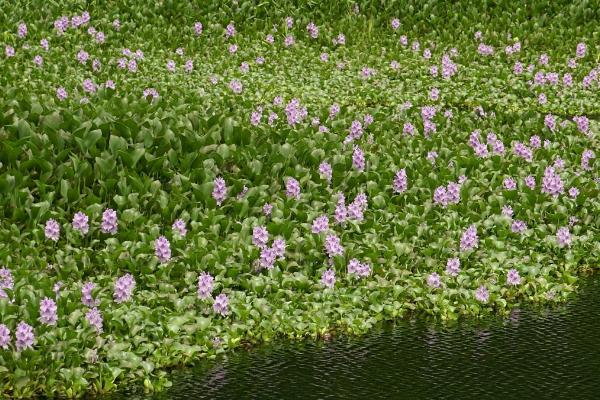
{"x": 534, "y": 354}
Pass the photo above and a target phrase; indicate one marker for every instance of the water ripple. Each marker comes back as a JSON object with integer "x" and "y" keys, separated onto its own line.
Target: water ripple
{"x": 532, "y": 354}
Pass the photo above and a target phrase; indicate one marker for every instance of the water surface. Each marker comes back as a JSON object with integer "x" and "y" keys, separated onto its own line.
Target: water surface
{"x": 533, "y": 354}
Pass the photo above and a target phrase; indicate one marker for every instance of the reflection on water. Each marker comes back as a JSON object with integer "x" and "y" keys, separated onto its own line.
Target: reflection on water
{"x": 531, "y": 354}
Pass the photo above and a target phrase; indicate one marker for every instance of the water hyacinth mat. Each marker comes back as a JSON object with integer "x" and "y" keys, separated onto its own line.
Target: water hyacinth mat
{"x": 179, "y": 179}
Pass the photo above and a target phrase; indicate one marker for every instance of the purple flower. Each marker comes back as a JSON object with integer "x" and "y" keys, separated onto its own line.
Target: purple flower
{"x": 289, "y": 21}
{"x": 267, "y": 258}
{"x": 408, "y": 129}
{"x": 481, "y": 294}
{"x": 355, "y": 212}
{"x": 278, "y": 248}
{"x": 89, "y": 86}
{"x": 116, "y": 25}
{"x": 4, "y": 336}
{"x": 328, "y": 278}
{"x": 552, "y": 184}
{"x": 289, "y": 41}
{"x": 573, "y": 192}
{"x": 431, "y": 156}
{"x": 48, "y": 311}
{"x": 395, "y": 24}
{"x": 272, "y": 118}
{"x": 320, "y": 224}
{"x": 22, "y": 30}
{"x": 61, "y": 93}
{"x": 485, "y": 50}
{"x": 255, "y": 118}
{"x": 581, "y": 50}
{"x": 358, "y": 268}
{"x": 188, "y": 66}
{"x": 270, "y": 39}
{"x": 513, "y": 278}
{"x": 44, "y": 43}
{"x": 96, "y": 65}
{"x": 586, "y": 157}
{"x": 334, "y": 110}
{"x": 124, "y": 288}
{"x": 56, "y": 288}
{"x": 230, "y": 30}
{"x": 433, "y": 280}
{"x": 542, "y": 98}
{"x": 150, "y": 92}
{"x": 292, "y": 188}
{"x": 510, "y": 184}
{"x": 205, "y": 285}
{"x": 109, "y": 221}
{"x": 356, "y": 130}
{"x": 179, "y": 227}
{"x": 25, "y": 336}
{"x": 236, "y": 86}
{"x": 94, "y": 318}
{"x": 333, "y": 246}
{"x": 198, "y": 28}
{"x": 267, "y": 208}
{"x": 439, "y": 196}
{"x": 453, "y": 266}
{"x": 171, "y": 66}
{"x": 469, "y": 239}
{"x": 535, "y": 142}
{"x": 219, "y": 190}
{"x": 162, "y": 249}
{"x": 260, "y": 237}
{"x": 80, "y": 223}
{"x": 341, "y": 213}
{"x": 86, "y": 295}
{"x": 313, "y": 30}
{"x": 132, "y": 66}
{"x": 52, "y": 230}
{"x": 518, "y": 68}
{"x": 6, "y": 279}
{"x": 221, "y": 304}
{"x": 295, "y": 112}
{"x": 353, "y": 266}
{"x": 400, "y": 181}
{"x": 530, "y": 182}
{"x": 358, "y": 159}
{"x": 518, "y": 226}
{"x": 82, "y": 56}
{"x": 326, "y": 171}
{"x": 563, "y": 236}
{"x": 583, "y": 123}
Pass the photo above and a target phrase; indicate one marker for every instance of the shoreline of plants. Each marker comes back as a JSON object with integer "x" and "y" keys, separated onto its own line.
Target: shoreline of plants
{"x": 178, "y": 182}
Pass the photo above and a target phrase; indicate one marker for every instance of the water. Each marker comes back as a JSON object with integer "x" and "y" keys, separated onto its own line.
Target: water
{"x": 534, "y": 354}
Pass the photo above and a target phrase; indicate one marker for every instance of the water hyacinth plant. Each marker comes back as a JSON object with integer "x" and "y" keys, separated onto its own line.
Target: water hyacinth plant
{"x": 287, "y": 170}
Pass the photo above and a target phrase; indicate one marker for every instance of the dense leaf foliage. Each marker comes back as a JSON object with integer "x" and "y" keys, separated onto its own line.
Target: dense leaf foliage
{"x": 179, "y": 178}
